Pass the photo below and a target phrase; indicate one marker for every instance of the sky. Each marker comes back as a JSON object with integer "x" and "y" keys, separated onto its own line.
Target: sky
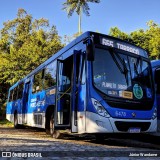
{"x": 127, "y": 15}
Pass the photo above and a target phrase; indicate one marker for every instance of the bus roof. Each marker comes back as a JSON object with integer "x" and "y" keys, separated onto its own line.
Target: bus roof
{"x": 155, "y": 63}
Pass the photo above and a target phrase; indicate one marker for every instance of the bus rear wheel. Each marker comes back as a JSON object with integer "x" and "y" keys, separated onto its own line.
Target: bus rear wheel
{"x": 16, "y": 121}
{"x": 54, "y": 133}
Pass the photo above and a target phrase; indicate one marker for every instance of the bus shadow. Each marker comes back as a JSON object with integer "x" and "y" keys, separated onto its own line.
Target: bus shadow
{"x": 123, "y": 140}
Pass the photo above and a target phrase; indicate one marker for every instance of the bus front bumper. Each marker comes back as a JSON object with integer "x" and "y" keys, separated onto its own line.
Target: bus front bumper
{"x": 98, "y": 124}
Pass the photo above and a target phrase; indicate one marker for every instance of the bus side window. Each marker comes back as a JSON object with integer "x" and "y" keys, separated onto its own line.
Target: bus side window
{"x": 37, "y": 82}
{"x": 50, "y": 75}
{"x": 11, "y": 96}
{"x": 83, "y": 76}
{"x": 15, "y": 94}
{"x": 20, "y": 90}
{"x": 157, "y": 80}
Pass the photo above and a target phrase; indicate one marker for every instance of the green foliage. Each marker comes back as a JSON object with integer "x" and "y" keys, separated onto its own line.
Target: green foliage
{"x": 6, "y": 123}
{"x": 24, "y": 44}
{"x": 68, "y": 39}
{"x": 148, "y": 39}
{"x": 154, "y": 39}
{"x": 118, "y": 33}
{"x": 2, "y": 111}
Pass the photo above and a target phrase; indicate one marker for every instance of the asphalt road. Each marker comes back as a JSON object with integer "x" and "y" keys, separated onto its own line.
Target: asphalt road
{"x": 32, "y": 142}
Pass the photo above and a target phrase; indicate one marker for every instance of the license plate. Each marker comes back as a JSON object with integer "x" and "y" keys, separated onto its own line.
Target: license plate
{"x": 134, "y": 130}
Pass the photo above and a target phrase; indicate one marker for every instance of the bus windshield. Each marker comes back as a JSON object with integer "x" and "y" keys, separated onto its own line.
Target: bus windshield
{"x": 122, "y": 76}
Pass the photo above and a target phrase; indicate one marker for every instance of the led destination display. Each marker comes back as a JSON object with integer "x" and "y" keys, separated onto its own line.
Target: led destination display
{"x": 122, "y": 46}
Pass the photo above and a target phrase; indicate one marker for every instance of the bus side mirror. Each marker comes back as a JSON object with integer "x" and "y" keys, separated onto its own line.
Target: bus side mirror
{"x": 90, "y": 50}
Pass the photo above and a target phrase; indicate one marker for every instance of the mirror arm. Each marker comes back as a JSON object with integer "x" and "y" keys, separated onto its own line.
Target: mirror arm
{"x": 89, "y": 48}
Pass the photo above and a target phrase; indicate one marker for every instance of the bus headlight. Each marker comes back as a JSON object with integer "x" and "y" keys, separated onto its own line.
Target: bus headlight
{"x": 154, "y": 114}
{"x": 99, "y": 108}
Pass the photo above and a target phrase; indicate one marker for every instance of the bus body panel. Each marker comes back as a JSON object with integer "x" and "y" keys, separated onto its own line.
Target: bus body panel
{"x": 99, "y": 124}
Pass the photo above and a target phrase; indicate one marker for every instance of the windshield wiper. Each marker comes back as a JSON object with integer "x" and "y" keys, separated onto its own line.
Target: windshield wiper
{"x": 123, "y": 70}
{"x": 139, "y": 62}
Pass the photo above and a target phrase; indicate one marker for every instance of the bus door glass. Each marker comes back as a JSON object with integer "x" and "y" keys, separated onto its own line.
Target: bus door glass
{"x": 77, "y": 66}
{"x": 157, "y": 83}
{"x": 65, "y": 112}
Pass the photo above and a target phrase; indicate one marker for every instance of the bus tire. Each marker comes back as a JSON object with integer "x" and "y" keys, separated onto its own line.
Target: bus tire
{"x": 16, "y": 121}
{"x": 48, "y": 126}
{"x": 57, "y": 135}
{"x": 49, "y": 113}
{"x": 54, "y": 133}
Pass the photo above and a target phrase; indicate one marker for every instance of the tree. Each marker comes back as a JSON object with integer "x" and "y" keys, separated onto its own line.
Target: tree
{"x": 68, "y": 38}
{"x": 70, "y": 6}
{"x": 148, "y": 39}
{"x": 116, "y": 32}
{"x": 153, "y": 34}
{"x": 24, "y": 44}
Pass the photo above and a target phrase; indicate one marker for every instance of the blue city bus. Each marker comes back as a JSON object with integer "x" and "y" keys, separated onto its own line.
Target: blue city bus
{"x": 97, "y": 84}
{"x": 156, "y": 75}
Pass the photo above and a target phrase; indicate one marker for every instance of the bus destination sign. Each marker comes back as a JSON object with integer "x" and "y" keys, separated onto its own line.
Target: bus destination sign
{"x": 123, "y": 46}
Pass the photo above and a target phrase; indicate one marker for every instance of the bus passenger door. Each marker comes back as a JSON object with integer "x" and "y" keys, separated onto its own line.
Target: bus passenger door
{"x": 74, "y": 91}
{"x": 65, "y": 111}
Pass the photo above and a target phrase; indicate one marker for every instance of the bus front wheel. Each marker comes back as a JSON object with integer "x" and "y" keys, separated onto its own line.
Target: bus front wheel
{"x": 54, "y": 133}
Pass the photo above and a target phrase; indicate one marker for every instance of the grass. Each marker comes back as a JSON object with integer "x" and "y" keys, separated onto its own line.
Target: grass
{"x": 6, "y": 123}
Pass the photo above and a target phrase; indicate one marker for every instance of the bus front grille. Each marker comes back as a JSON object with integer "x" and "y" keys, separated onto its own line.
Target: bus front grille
{"x": 124, "y": 126}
